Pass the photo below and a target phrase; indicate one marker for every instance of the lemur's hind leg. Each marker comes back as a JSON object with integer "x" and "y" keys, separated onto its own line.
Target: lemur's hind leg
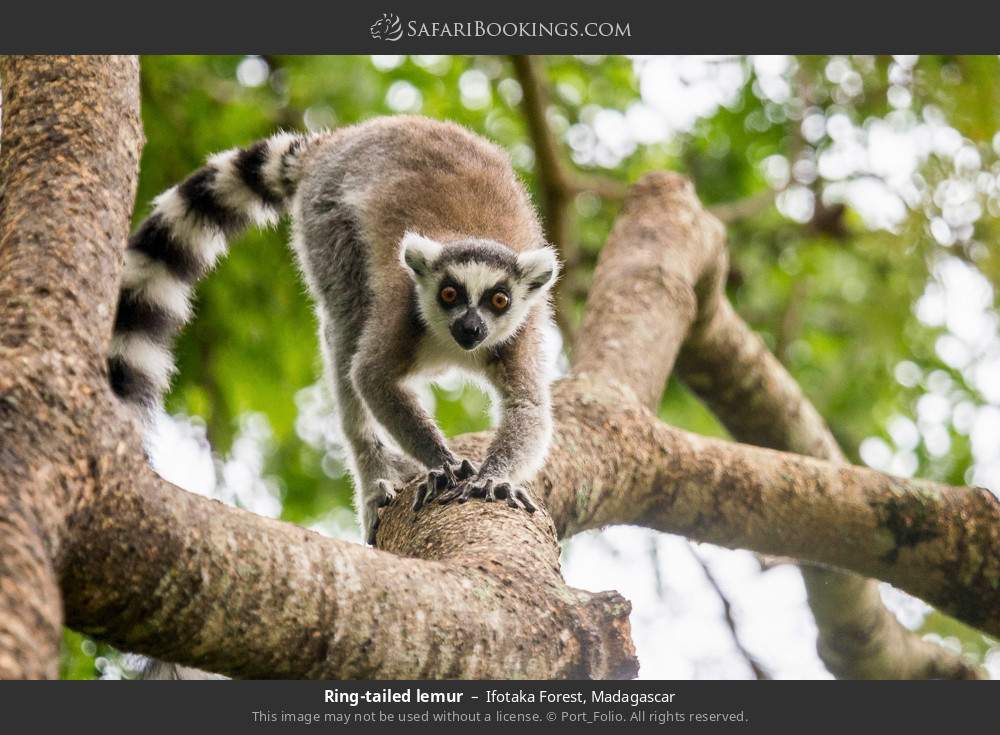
{"x": 376, "y": 468}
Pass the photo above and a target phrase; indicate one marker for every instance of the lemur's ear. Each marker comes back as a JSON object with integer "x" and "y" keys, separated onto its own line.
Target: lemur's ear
{"x": 418, "y": 253}
{"x": 539, "y": 266}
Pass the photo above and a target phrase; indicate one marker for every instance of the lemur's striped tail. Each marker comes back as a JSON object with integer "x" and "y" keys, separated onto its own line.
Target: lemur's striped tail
{"x": 179, "y": 244}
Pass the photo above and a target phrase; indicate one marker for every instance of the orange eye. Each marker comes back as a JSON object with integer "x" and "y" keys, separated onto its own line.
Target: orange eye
{"x": 500, "y": 300}
{"x": 449, "y": 295}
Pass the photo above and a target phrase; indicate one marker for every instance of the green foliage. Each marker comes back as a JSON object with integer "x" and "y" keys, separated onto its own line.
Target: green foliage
{"x": 834, "y": 298}
{"x": 83, "y": 658}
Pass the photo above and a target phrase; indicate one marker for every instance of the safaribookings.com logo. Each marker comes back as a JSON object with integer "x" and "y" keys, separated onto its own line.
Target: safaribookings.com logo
{"x": 387, "y": 28}
{"x": 390, "y": 28}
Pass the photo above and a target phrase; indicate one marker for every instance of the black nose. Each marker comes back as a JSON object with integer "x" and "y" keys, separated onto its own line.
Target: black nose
{"x": 469, "y": 330}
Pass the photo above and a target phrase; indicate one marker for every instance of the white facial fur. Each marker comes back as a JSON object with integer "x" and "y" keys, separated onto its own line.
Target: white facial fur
{"x": 527, "y": 283}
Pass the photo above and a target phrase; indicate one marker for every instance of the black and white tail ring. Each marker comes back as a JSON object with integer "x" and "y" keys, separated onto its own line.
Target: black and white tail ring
{"x": 179, "y": 243}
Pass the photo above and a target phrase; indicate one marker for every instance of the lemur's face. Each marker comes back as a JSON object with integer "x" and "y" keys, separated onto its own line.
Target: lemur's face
{"x": 476, "y": 292}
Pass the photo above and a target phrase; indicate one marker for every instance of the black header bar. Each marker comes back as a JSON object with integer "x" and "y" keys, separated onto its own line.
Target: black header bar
{"x": 512, "y": 26}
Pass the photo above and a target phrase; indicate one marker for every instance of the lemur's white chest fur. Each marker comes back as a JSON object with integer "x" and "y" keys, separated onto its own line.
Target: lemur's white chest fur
{"x": 435, "y": 356}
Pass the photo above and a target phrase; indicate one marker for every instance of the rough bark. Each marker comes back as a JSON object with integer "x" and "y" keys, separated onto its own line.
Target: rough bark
{"x": 458, "y": 590}
{"x": 186, "y": 579}
{"x": 935, "y": 541}
{"x": 68, "y": 163}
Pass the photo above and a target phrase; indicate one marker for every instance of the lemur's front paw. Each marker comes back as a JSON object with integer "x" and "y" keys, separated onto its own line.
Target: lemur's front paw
{"x": 491, "y": 490}
{"x": 444, "y": 479}
{"x": 383, "y": 495}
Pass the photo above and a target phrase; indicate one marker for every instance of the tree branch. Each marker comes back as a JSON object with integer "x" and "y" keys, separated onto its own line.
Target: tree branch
{"x": 741, "y": 209}
{"x": 612, "y": 462}
{"x": 559, "y": 184}
{"x": 934, "y": 541}
{"x": 560, "y": 177}
{"x": 467, "y": 590}
{"x": 225, "y": 590}
{"x": 759, "y": 672}
{"x": 758, "y": 401}
{"x": 754, "y": 397}
{"x": 643, "y": 301}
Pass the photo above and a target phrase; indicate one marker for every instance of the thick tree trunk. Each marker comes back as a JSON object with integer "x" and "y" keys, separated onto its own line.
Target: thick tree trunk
{"x": 68, "y": 163}
{"x": 468, "y": 590}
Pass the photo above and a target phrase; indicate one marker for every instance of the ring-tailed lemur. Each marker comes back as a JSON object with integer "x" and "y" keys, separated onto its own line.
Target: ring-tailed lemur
{"x": 422, "y": 251}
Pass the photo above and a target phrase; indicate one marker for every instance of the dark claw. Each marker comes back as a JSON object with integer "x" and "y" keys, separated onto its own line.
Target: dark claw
{"x": 385, "y": 498}
{"x": 388, "y": 493}
{"x": 525, "y": 498}
{"x": 419, "y": 496}
{"x": 448, "y": 495}
{"x": 466, "y": 470}
{"x": 490, "y": 491}
{"x": 437, "y": 480}
{"x": 516, "y": 497}
{"x": 504, "y": 490}
{"x": 476, "y": 490}
{"x": 465, "y": 487}
{"x": 442, "y": 482}
{"x": 462, "y": 492}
